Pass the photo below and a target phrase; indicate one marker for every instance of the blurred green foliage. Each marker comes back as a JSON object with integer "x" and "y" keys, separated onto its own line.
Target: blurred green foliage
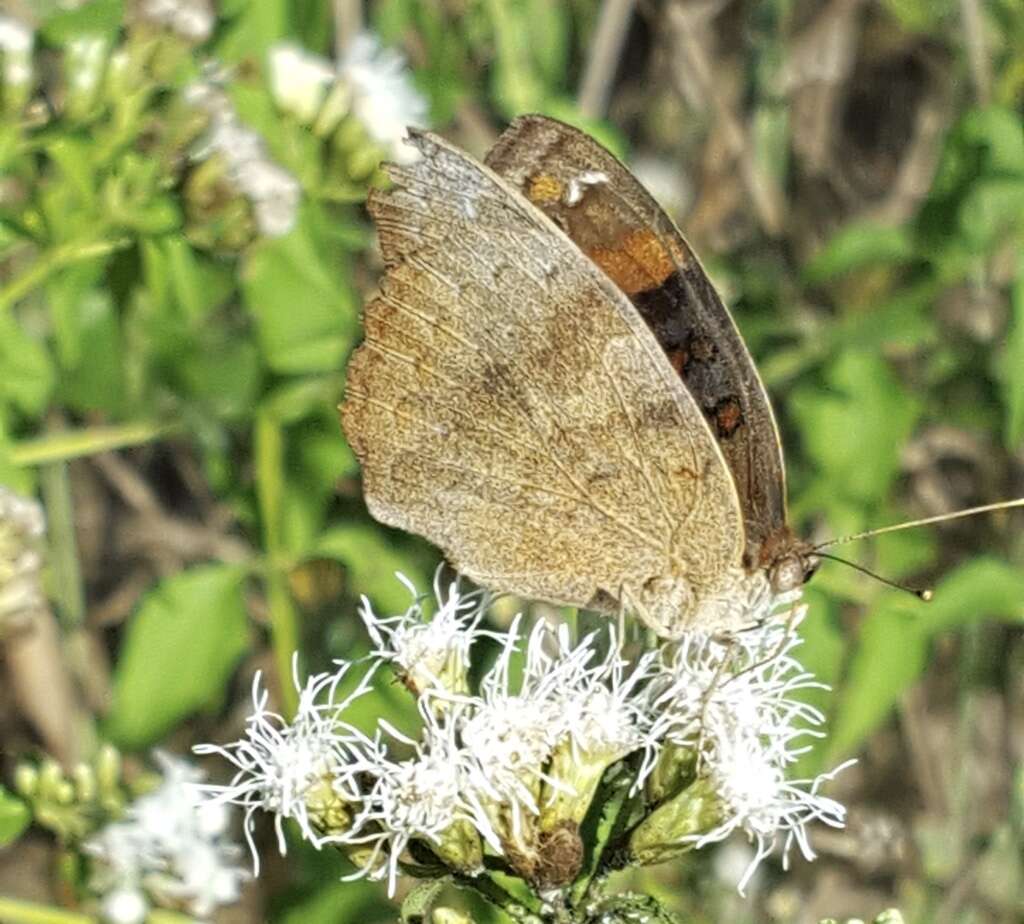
{"x": 139, "y": 306}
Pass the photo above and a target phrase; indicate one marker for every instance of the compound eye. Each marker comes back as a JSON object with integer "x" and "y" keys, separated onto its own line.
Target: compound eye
{"x": 787, "y": 575}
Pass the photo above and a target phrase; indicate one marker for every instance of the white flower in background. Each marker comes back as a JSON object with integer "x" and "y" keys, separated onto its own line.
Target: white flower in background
{"x": 299, "y": 80}
{"x": 85, "y": 59}
{"x": 168, "y": 852}
{"x": 22, "y": 525}
{"x": 370, "y": 82}
{"x": 16, "y": 41}
{"x": 432, "y": 652}
{"x": 383, "y": 96}
{"x": 193, "y": 20}
{"x": 272, "y": 191}
{"x": 305, "y": 769}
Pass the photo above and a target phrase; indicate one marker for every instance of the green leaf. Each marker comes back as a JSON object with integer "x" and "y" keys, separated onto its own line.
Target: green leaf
{"x": 984, "y": 588}
{"x": 26, "y": 372}
{"x": 98, "y": 16}
{"x": 891, "y": 654}
{"x": 251, "y": 28}
{"x": 991, "y": 209}
{"x": 15, "y": 817}
{"x": 224, "y": 376}
{"x": 893, "y": 643}
{"x": 305, "y": 317}
{"x": 417, "y": 904}
{"x": 1001, "y": 132}
{"x": 96, "y": 382}
{"x": 855, "y": 430}
{"x": 858, "y": 245}
{"x": 178, "y": 653}
{"x": 371, "y": 562}
{"x": 1013, "y": 365}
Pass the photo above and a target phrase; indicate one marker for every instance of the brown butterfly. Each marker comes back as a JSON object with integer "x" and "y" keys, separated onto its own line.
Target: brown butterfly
{"x": 552, "y": 391}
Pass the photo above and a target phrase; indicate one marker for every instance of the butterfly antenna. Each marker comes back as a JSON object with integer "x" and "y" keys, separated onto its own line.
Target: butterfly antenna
{"x": 922, "y": 593}
{"x": 941, "y": 518}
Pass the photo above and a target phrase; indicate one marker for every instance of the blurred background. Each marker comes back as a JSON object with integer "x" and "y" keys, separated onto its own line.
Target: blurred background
{"x": 183, "y": 256}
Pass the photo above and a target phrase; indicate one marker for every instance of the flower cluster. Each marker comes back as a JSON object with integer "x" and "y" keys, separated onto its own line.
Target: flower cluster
{"x": 21, "y": 529}
{"x": 192, "y": 20}
{"x": 369, "y": 82}
{"x": 271, "y": 190}
{"x": 16, "y": 72}
{"x": 699, "y": 735}
{"x": 167, "y": 851}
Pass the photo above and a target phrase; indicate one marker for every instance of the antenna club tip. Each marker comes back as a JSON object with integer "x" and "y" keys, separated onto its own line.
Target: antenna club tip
{"x": 926, "y": 595}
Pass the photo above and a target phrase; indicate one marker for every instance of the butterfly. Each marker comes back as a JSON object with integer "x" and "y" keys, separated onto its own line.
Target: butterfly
{"x": 551, "y": 390}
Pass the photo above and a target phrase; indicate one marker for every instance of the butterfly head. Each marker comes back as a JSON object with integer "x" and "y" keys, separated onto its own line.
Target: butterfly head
{"x": 788, "y": 561}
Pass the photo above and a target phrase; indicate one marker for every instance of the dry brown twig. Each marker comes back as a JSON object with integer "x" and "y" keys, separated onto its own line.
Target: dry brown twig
{"x": 603, "y": 56}
{"x": 684, "y": 21}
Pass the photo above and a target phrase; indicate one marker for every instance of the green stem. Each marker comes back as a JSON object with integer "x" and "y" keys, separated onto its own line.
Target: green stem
{"x": 52, "y": 261}
{"x": 70, "y": 444}
{"x": 269, "y": 444}
{"x": 13, "y": 911}
{"x": 60, "y": 521}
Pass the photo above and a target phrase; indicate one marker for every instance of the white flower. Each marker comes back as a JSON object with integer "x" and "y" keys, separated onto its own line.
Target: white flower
{"x": 124, "y": 906}
{"x": 751, "y": 781}
{"x": 299, "y": 80}
{"x": 425, "y": 797}
{"x": 734, "y": 702}
{"x": 273, "y": 192}
{"x": 84, "y": 59}
{"x": 432, "y": 652}
{"x": 164, "y": 852}
{"x": 281, "y": 766}
{"x": 513, "y": 732}
{"x": 22, "y": 525}
{"x": 383, "y": 96}
{"x": 16, "y": 41}
{"x": 193, "y": 20}
{"x": 609, "y": 713}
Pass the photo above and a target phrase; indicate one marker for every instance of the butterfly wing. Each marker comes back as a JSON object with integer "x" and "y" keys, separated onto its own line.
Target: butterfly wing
{"x": 510, "y": 405}
{"x": 605, "y": 211}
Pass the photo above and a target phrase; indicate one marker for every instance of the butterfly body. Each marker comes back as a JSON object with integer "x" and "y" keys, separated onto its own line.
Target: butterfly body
{"x": 551, "y": 391}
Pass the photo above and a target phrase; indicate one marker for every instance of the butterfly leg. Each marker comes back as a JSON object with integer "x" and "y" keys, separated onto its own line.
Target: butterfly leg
{"x": 787, "y": 631}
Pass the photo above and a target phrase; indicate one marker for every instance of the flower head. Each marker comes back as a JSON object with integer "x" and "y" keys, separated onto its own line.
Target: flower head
{"x": 167, "y": 851}
{"x": 432, "y": 797}
{"x": 272, "y": 191}
{"x": 432, "y": 652}
{"x": 383, "y": 96}
{"x": 22, "y": 525}
{"x": 305, "y": 769}
{"x": 16, "y": 41}
{"x": 299, "y": 80}
{"x": 192, "y": 20}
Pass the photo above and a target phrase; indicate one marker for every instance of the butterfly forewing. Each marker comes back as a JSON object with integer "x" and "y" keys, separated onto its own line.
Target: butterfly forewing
{"x": 510, "y": 405}
{"x": 597, "y": 202}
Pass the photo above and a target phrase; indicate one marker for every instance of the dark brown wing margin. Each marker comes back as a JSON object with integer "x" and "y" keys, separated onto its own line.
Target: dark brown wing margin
{"x": 607, "y": 213}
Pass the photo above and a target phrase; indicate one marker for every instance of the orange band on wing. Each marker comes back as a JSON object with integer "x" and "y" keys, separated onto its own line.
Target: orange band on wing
{"x": 637, "y": 263}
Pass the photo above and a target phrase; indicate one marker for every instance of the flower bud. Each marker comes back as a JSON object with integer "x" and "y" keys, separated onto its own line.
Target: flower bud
{"x": 16, "y": 71}
{"x": 299, "y": 80}
{"x": 449, "y": 916}
{"x": 671, "y": 828}
{"x": 460, "y": 848}
{"x": 85, "y": 60}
